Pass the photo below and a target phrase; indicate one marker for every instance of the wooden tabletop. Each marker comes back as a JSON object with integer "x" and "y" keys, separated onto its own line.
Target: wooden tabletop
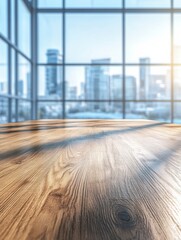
{"x": 90, "y": 180}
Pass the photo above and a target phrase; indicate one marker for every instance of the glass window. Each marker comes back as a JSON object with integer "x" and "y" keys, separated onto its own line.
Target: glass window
{"x": 96, "y": 82}
{"x": 3, "y": 68}
{"x": 50, "y": 38}
{"x": 49, "y": 110}
{"x": 148, "y": 82}
{"x": 177, "y": 83}
{"x": 177, "y": 112}
{"x": 94, "y": 3}
{"x": 50, "y": 81}
{"x": 13, "y": 111}
{"x": 13, "y": 21}
{"x": 148, "y": 3}
{"x": 94, "y": 36}
{"x": 177, "y": 3}
{"x": 24, "y": 78}
{"x": 177, "y": 38}
{"x": 3, "y": 17}
{"x": 159, "y": 111}
{"x": 24, "y": 110}
{"x": 13, "y": 87}
{"x": 145, "y": 38}
{"x": 49, "y": 3}
{"x": 24, "y": 25}
{"x": 3, "y": 110}
{"x": 94, "y": 110}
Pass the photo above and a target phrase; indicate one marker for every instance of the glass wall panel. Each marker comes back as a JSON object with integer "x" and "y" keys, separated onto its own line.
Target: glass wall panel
{"x": 177, "y": 83}
{"x": 24, "y": 78}
{"x": 93, "y": 76}
{"x": 50, "y": 84}
{"x": 148, "y": 3}
{"x": 3, "y": 110}
{"x": 94, "y": 4}
{"x": 24, "y": 26}
{"x": 96, "y": 82}
{"x": 94, "y": 38}
{"x": 177, "y": 3}
{"x": 13, "y": 21}
{"x": 159, "y": 111}
{"x": 177, "y": 38}
{"x": 3, "y": 67}
{"x": 4, "y": 17}
{"x": 49, "y": 3}
{"x": 94, "y": 110}
{"x": 177, "y": 112}
{"x": 50, "y": 110}
{"x": 50, "y": 38}
{"x": 13, "y": 110}
{"x": 24, "y": 110}
{"x": 148, "y": 82}
{"x": 145, "y": 38}
{"x": 13, "y": 67}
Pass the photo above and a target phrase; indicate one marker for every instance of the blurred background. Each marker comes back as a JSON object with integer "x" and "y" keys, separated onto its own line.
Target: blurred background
{"x": 83, "y": 59}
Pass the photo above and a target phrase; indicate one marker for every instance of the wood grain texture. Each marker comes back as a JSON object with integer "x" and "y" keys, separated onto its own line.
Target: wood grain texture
{"x": 90, "y": 180}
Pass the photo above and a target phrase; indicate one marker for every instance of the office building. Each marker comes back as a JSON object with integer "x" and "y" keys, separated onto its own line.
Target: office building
{"x": 53, "y": 73}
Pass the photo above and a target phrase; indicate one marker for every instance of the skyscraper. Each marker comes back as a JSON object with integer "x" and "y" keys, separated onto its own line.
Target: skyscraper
{"x": 130, "y": 88}
{"x": 97, "y": 83}
{"x": 72, "y": 92}
{"x": 144, "y": 78}
{"x": 28, "y": 77}
{"x": 20, "y": 87}
{"x": 158, "y": 87}
{"x": 116, "y": 82}
{"x": 53, "y": 73}
{"x": 1, "y": 87}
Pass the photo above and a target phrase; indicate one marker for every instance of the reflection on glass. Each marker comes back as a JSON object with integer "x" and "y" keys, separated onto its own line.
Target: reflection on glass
{"x": 177, "y": 83}
{"x": 145, "y": 38}
{"x": 49, "y": 36}
{"x": 24, "y": 111}
{"x": 3, "y": 110}
{"x": 3, "y": 68}
{"x": 24, "y": 26}
{"x": 177, "y": 112}
{"x": 159, "y": 111}
{"x": 50, "y": 85}
{"x": 177, "y": 38}
{"x": 49, "y": 3}
{"x": 147, "y": 82}
{"x": 93, "y": 36}
{"x": 24, "y": 78}
{"x": 49, "y": 110}
{"x": 95, "y": 82}
{"x": 148, "y": 3}
{"x": 3, "y": 17}
{"x": 94, "y": 110}
{"x": 94, "y": 4}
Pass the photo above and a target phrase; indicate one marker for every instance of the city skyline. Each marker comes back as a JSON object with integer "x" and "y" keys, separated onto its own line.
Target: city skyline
{"x": 153, "y": 81}
{"x": 99, "y": 83}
